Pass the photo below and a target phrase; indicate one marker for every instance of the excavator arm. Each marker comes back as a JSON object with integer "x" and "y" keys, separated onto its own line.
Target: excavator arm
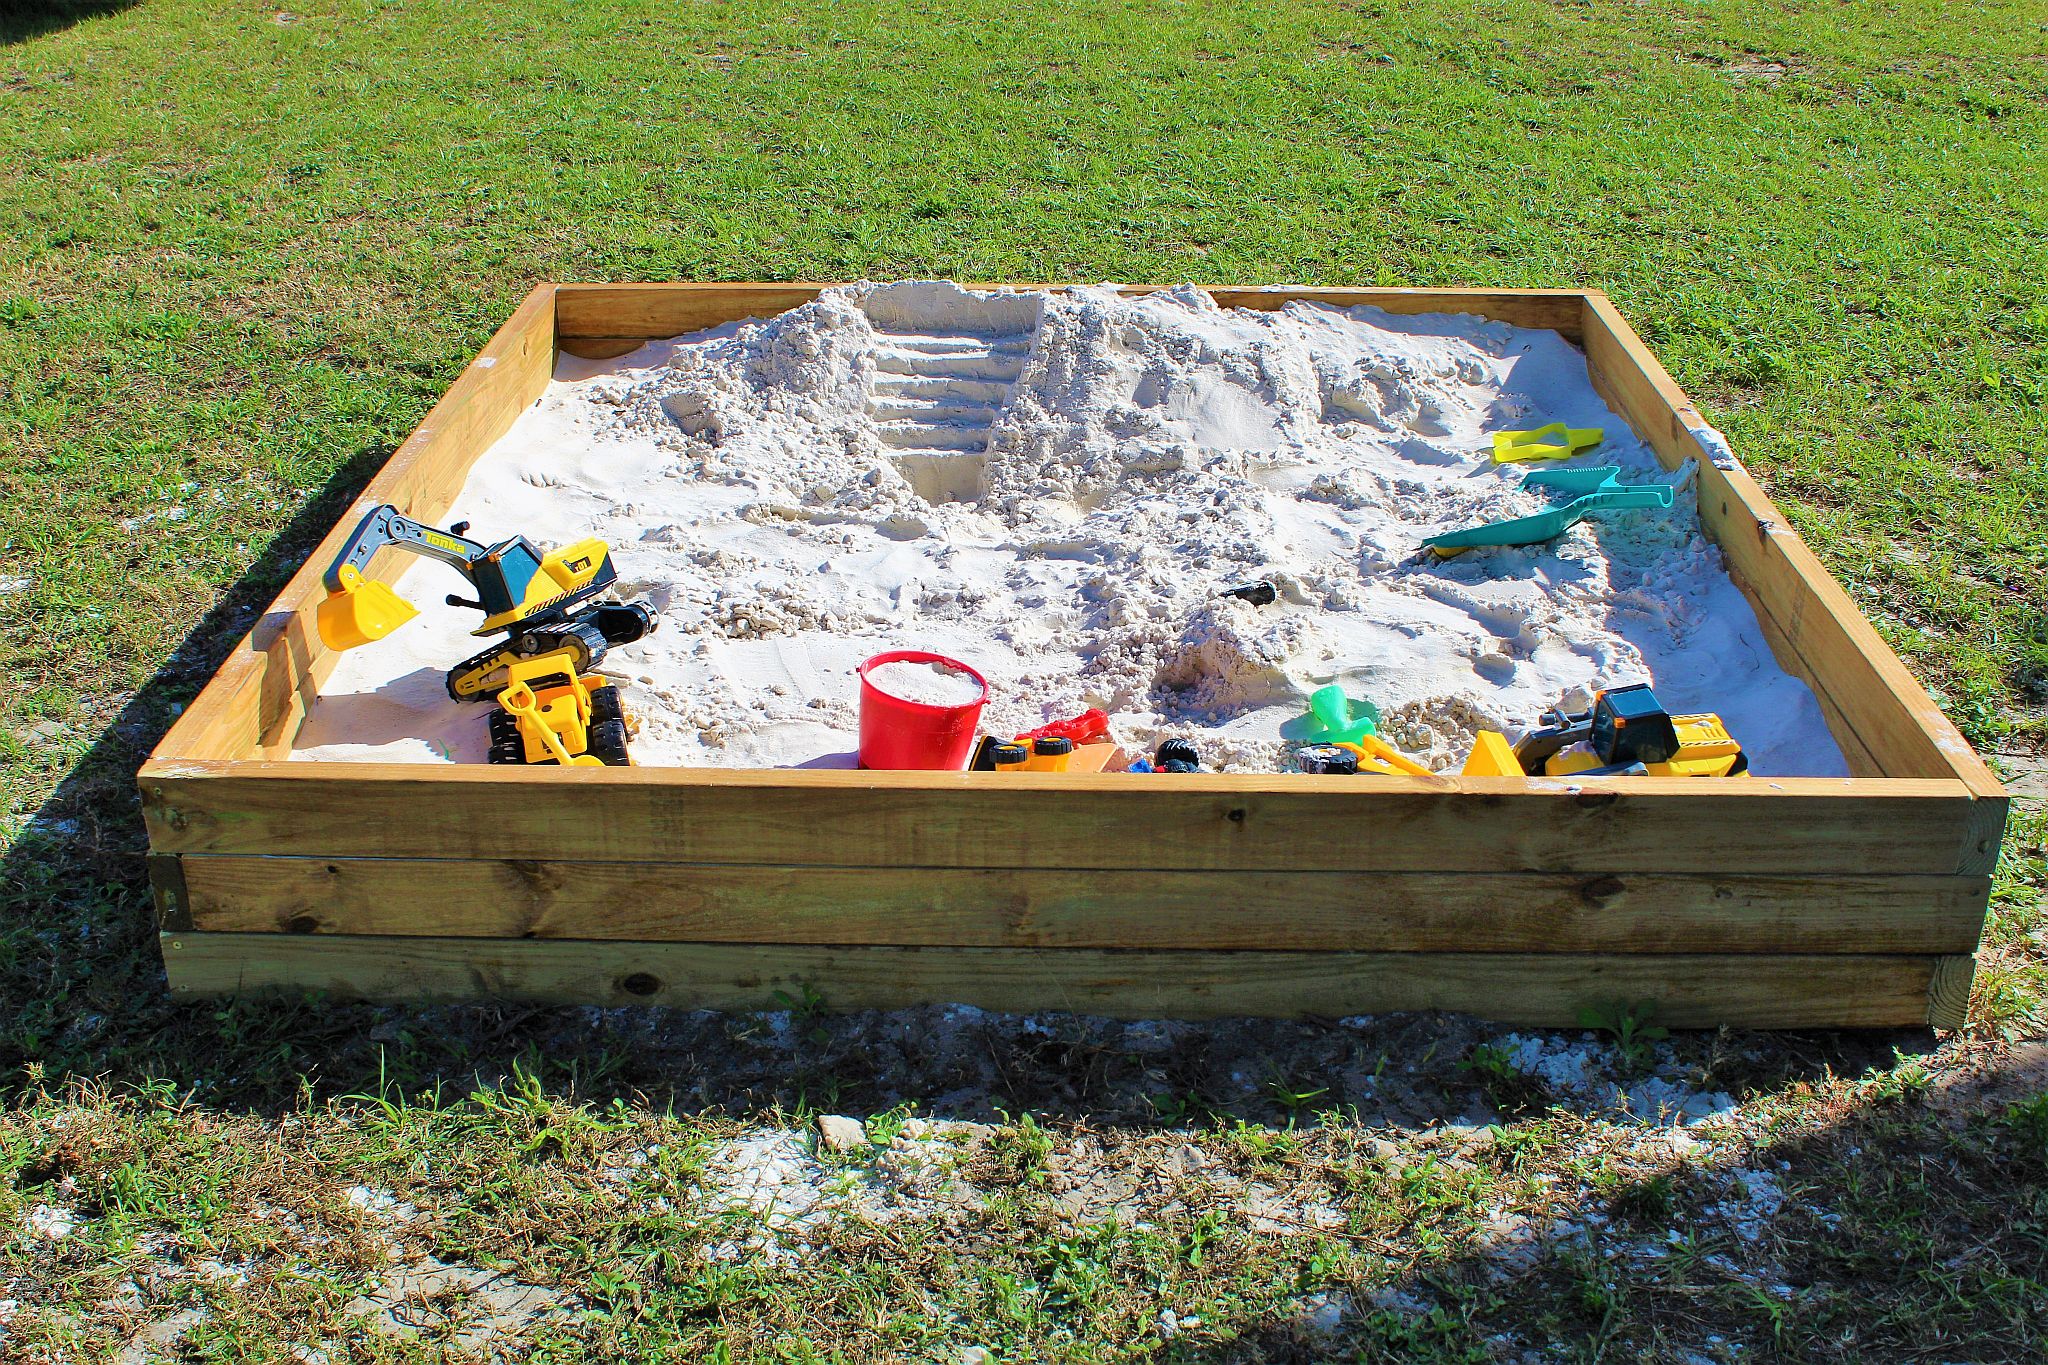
{"x": 386, "y": 525}
{"x": 514, "y": 582}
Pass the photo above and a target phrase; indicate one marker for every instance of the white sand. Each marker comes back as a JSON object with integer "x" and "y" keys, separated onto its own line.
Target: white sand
{"x": 933, "y": 684}
{"x": 1055, "y": 489}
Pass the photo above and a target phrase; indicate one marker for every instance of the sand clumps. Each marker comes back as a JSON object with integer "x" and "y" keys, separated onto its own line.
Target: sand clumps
{"x": 1056, "y": 488}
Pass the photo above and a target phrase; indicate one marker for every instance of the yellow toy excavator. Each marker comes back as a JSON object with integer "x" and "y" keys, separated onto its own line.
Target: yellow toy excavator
{"x": 541, "y": 602}
{"x": 553, "y": 710}
{"x": 1628, "y": 732}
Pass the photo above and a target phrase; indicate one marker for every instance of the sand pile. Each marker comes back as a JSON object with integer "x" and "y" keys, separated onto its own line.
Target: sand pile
{"x": 1056, "y": 488}
{"x": 928, "y": 684}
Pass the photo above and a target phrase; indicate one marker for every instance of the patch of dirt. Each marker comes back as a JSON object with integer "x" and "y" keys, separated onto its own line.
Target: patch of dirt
{"x": 460, "y": 1304}
{"x": 2025, "y": 775}
{"x": 1755, "y": 69}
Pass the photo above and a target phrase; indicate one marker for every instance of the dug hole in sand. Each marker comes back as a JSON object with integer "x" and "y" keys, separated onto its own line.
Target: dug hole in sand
{"x": 1056, "y": 487}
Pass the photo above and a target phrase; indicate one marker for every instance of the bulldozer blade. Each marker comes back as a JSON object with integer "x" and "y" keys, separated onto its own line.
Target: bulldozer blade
{"x": 360, "y": 611}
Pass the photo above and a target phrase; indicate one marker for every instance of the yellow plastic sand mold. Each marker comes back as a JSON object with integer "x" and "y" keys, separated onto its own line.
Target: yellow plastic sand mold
{"x": 359, "y": 611}
{"x": 1553, "y": 442}
{"x": 1493, "y": 756}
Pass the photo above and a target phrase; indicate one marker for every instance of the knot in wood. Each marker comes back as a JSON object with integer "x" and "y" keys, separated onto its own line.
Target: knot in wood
{"x": 1602, "y": 890}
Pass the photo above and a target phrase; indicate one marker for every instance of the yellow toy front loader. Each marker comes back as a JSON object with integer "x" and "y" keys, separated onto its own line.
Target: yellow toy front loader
{"x": 552, "y": 714}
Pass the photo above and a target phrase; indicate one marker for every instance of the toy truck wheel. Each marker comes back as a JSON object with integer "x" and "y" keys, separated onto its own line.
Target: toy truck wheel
{"x": 605, "y": 705}
{"x": 504, "y": 729}
{"x": 608, "y": 742}
{"x": 507, "y": 753}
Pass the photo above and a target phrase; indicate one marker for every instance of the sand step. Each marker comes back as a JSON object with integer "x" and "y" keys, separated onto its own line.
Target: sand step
{"x": 940, "y": 388}
{"x": 952, "y": 365}
{"x": 934, "y": 397}
{"x": 931, "y": 410}
{"x": 957, "y": 344}
{"x": 933, "y": 436}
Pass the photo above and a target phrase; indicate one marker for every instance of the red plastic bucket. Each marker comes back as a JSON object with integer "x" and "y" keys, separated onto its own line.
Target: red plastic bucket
{"x": 898, "y": 733}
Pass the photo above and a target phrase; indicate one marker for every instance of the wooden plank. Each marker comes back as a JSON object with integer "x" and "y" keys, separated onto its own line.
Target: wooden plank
{"x": 666, "y": 310}
{"x": 616, "y": 311}
{"x": 1264, "y": 822}
{"x": 1557, "y": 310}
{"x": 167, "y": 891}
{"x": 1689, "y": 991}
{"x": 1948, "y": 994}
{"x": 1059, "y": 908}
{"x": 600, "y": 348}
{"x": 1866, "y": 687}
{"x": 258, "y": 697}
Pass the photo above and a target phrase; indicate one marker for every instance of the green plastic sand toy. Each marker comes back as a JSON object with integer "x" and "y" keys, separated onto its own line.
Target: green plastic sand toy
{"x": 1592, "y": 490}
{"x": 1341, "y": 720}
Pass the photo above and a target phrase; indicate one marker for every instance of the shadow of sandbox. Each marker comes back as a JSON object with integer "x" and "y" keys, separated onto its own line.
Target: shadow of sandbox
{"x": 21, "y": 20}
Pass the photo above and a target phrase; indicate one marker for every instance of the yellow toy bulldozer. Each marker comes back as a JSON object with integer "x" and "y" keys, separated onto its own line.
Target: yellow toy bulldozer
{"x": 552, "y": 714}
{"x": 1627, "y": 733}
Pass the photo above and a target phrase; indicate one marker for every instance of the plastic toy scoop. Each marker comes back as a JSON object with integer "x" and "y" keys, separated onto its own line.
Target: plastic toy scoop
{"x": 1553, "y": 442}
{"x": 1340, "y": 720}
{"x": 1592, "y": 490}
{"x": 359, "y": 611}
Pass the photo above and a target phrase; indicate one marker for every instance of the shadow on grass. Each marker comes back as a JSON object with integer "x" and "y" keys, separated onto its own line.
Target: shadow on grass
{"x": 21, "y": 20}
{"x": 79, "y": 967}
{"x": 80, "y": 962}
{"x": 1909, "y": 1222}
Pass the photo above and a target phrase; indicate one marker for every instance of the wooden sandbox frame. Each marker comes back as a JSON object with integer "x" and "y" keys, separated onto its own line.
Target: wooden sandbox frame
{"x": 1779, "y": 902}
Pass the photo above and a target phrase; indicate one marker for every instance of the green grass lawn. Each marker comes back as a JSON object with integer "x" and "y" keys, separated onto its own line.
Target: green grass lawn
{"x": 243, "y": 250}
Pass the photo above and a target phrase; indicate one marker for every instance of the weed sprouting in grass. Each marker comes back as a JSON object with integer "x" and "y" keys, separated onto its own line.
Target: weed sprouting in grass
{"x": 1020, "y": 1148}
{"x": 1768, "y": 1306}
{"x": 1206, "y": 1228}
{"x": 2028, "y": 1121}
{"x": 1630, "y": 1026}
{"x": 1648, "y": 1200}
{"x": 1906, "y": 1079}
{"x": 1078, "y": 1272}
{"x": 885, "y": 1127}
{"x": 1596, "y": 1291}
{"x": 1292, "y": 1096}
{"x": 1508, "y": 1088}
{"x": 1434, "y": 1187}
{"x": 1438, "y": 1336}
{"x": 806, "y": 1006}
{"x": 2010, "y": 995}
{"x": 1262, "y": 1145}
{"x": 816, "y": 1094}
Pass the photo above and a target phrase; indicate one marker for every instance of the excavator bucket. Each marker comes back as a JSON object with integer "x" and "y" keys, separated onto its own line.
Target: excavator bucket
{"x": 360, "y": 610}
